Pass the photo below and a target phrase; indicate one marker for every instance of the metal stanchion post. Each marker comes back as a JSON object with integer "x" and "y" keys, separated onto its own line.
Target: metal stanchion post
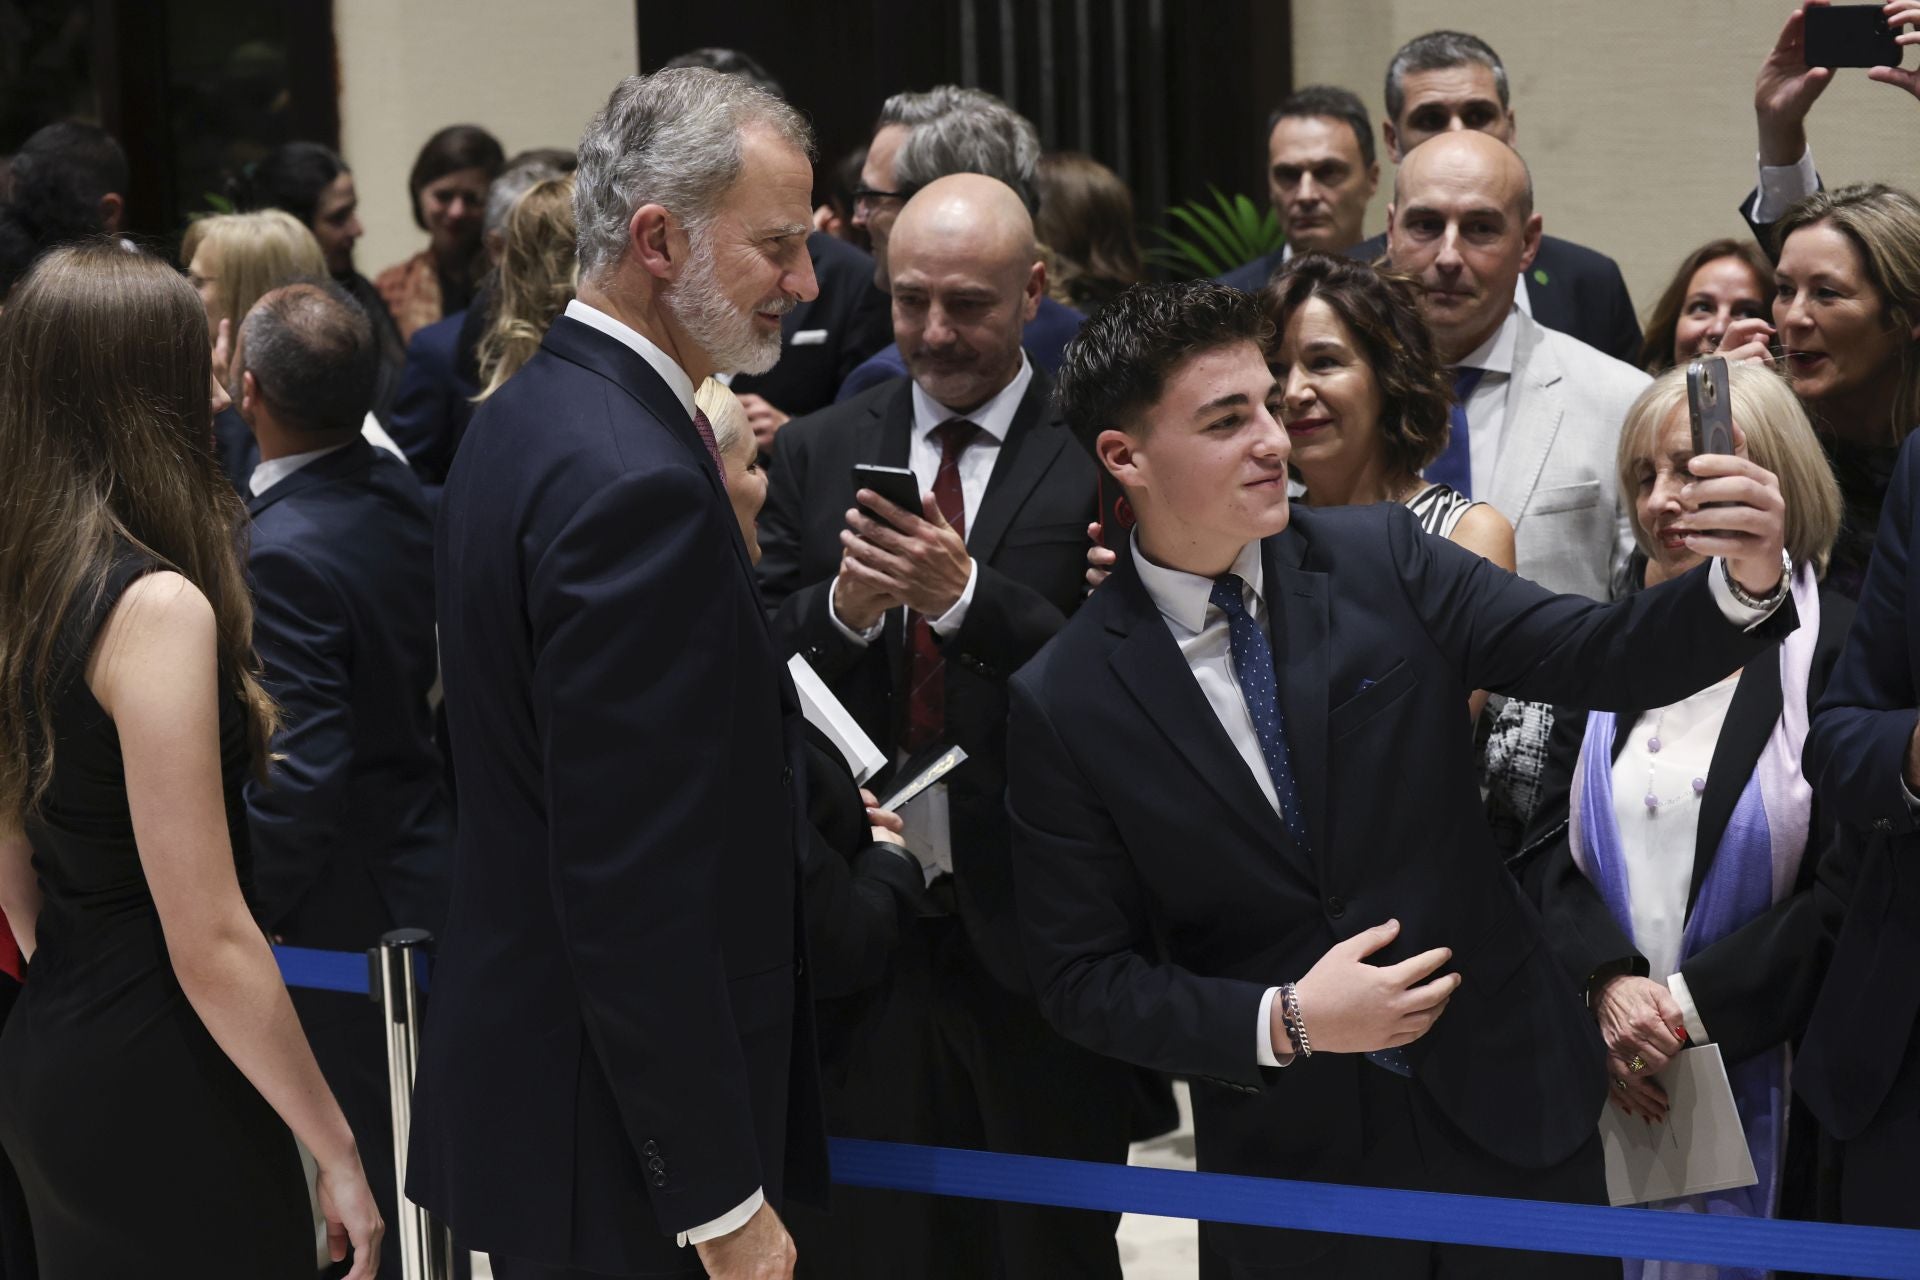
{"x": 426, "y": 1250}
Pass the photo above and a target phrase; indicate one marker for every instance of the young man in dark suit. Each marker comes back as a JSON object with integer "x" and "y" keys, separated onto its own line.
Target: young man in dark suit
{"x": 352, "y": 830}
{"x": 1859, "y": 1065}
{"x": 916, "y": 624}
{"x": 618, "y": 1076}
{"x": 1248, "y": 843}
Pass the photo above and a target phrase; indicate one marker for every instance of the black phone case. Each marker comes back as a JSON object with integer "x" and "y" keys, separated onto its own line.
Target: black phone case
{"x": 1850, "y": 35}
{"x": 901, "y": 490}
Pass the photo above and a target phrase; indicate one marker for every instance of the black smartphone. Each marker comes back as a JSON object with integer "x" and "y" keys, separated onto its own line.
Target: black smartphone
{"x": 895, "y": 484}
{"x": 1710, "y": 405}
{"x": 1850, "y": 35}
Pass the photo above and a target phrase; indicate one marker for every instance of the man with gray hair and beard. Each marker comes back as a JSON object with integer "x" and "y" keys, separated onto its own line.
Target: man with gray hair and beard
{"x": 618, "y": 1078}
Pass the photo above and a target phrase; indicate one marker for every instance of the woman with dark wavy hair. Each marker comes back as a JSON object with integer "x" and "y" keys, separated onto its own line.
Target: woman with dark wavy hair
{"x": 153, "y": 1065}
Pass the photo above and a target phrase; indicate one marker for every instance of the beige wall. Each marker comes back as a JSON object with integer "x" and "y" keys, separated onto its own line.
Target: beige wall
{"x": 532, "y": 73}
{"x": 1635, "y": 115}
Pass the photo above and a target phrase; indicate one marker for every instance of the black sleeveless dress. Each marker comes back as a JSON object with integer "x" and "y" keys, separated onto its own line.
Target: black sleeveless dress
{"x": 142, "y": 1149}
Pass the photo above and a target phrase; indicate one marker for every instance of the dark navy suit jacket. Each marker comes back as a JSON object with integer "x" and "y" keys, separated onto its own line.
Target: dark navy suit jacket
{"x": 434, "y": 403}
{"x": 1860, "y": 1059}
{"x": 351, "y": 835}
{"x": 1160, "y": 896}
{"x": 621, "y": 1043}
{"x": 1045, "y": 338}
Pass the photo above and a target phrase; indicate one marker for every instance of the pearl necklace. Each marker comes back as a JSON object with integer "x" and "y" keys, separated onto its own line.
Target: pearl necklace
{"x": 1653, "y": 800}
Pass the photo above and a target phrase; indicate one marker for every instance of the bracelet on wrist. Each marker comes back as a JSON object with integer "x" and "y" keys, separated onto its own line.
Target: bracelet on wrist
{"x": 1296, "y": 1026}
{"x": 1752, "y": 601}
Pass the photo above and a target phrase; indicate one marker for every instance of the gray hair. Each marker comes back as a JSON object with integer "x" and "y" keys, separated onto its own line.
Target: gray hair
{"x": 671, "y": 139}
{"x": 522, "y": 173}
{"x": 1440, "y": 51}
{"x": 311, "y": 351}
{"x": 957, "y": 130}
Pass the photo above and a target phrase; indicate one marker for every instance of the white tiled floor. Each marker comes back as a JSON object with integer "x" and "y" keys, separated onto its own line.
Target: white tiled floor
{"x": 1150, "y": 1248}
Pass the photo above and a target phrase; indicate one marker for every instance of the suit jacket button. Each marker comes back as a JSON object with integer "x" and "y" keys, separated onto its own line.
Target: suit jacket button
{"x": 659, "y": 1179}
{"x": 1336, "y": 906}
{"x": 657, "y": 1165}
{"x": 652, "y": 1148}
{"x": 1883, "y": 824}
{"x": 786, "y": 776}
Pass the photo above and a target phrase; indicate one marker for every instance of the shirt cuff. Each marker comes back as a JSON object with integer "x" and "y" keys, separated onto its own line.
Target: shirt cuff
{"x": 1689, "y": 1012}
{"x": 1913, "y": 801}
{"x": 1742, "y": 616}
{"x": 1263, "y": 1042}
{"x": 949, "y": 622}
{"x": 861, "y": 638}
{"x": 726, "y": 1223}
{"x": 1781, "y": 185}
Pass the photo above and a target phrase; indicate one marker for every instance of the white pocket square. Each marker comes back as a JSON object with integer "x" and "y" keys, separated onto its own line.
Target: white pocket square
{"x": 808, "y": 338}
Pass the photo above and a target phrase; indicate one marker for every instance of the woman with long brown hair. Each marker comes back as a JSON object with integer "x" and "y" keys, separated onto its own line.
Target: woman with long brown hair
{"x": 537, "y": 276}
{"x": 153, "y": 1066}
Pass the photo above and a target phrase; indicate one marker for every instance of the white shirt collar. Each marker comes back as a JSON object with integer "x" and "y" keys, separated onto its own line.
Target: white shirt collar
{"x": 1495, "y": 355}
{"x": 271, "y": 471}
{"x": 995, "y": 417}
{"x": 663, "y": 364}
{"x": 1183, "y": 598}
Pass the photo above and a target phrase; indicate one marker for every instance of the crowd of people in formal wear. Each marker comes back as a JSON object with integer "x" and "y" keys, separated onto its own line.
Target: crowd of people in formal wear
{"x": 1355, "y": 658}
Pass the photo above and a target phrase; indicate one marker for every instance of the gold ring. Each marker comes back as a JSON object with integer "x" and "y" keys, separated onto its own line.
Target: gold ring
{"x": 1637, "y": 1064}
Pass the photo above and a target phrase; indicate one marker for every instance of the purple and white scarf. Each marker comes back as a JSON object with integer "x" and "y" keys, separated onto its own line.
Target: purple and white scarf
{"x": 1755, "y": 867}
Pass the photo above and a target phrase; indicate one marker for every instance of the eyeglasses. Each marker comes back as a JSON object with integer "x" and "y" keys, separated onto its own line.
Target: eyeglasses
{"x": 869, "y": 197}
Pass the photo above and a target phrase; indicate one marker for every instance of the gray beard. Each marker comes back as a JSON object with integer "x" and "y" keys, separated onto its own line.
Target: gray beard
{"x": 724, "y": 332}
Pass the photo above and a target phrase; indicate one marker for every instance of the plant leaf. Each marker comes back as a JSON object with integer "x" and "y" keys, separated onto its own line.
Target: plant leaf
{"x": 1187, "y": 253}
{"x": 1215, "y": 234}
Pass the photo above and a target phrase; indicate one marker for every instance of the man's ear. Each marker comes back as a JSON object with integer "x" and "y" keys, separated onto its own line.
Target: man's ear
{"x": 1117, "y": 453}
{"x": 113, "y": 209}
{"x": 1036, "y": 289}
{"x": 249, "y": 395}
{"x": 1392, "y": 210}
{"x": 656, "y": 241}
{"x": 1532, "y": 235}
{"x": 1373, "y": 178}
{"x": 1392, "y": 139}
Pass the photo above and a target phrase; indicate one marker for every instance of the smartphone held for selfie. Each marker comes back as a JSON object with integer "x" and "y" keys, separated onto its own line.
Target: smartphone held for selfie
{"x": 1710, "y": 405}
{"x": 1850, "y": 35}
{"x": 895, "y": 484}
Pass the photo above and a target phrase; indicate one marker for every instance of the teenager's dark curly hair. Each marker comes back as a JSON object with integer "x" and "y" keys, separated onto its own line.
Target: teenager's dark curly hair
{"x": 1381, "y": 311}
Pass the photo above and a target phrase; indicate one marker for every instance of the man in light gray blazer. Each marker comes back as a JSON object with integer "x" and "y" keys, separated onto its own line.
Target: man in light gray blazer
{"x": 1539, "y": 413}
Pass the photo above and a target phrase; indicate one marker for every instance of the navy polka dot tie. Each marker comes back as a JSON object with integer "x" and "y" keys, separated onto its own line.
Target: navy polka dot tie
{"x": 1253, "y": 668}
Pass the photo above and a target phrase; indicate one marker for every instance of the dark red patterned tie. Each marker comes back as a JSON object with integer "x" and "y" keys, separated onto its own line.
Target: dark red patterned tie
{"x": 926, "y": 669}
{"x": 705, "y": 429}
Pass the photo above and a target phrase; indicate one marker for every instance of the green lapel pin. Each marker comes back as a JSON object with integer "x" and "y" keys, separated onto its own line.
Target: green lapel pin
{"x": 1539, "y": 276}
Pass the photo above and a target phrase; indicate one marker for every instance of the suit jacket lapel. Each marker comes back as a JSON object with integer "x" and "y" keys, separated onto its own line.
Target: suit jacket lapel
{"x": 1750, "y": 719}
{"x": 1533, "y": 420}
{"x": 1024, "y": 458}
{"x": 1155, "y": 672}
{"x": 1297, "y": 620}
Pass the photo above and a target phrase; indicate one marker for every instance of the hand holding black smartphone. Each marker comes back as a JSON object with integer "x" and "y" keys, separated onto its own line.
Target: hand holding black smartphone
{"x": 896, "y": 484}
{"x": 1850, "y": 35}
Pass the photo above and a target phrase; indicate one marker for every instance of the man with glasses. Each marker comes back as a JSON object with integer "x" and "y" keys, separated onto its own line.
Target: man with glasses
{"x": 923, "y": 136}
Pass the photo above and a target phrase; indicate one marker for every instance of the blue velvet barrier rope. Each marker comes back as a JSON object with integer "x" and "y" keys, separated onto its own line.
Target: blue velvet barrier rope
{"x": 1315, "y": 1206}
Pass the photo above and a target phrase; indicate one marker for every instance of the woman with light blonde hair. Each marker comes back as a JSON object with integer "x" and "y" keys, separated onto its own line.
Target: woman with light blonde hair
{"x": 1676, "y": 857}
{"x": 537, "y": 277}
{"x": 235, "y": 259}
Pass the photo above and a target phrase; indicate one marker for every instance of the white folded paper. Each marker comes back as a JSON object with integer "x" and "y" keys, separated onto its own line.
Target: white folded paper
{"x": 1700, "y": 1147}
{"x": 824, "y": 712}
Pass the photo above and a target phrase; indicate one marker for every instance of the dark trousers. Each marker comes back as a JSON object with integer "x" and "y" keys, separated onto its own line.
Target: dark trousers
{"x": 16, "y": 1232}
{"x": 948, "y": 1057}
{"x": 520, "y": 1269}
{"x": 1408, "y": 1144}
{"x": 1876, "y": 1173}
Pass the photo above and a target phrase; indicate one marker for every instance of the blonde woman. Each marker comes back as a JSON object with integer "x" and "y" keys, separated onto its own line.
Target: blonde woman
{"x": 1677, "y": 876}
{"x": 537, "y": 275}
{"x": 233, "y": 260}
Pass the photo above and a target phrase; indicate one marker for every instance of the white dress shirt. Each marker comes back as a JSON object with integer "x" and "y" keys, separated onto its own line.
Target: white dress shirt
{"x": 272, "y": 471}
{"x": 1657, "y": 846}
{"x": 1487, "y": 404}
{"x": 682, "y": 386}
{"x": 1780, "y": 186}
{"x": 1200, "y": 631}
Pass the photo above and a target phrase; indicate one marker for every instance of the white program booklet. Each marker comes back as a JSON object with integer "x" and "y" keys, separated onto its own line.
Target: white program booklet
{"x": 824, "y": 712}
{"x": 1700, "y": 1146}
